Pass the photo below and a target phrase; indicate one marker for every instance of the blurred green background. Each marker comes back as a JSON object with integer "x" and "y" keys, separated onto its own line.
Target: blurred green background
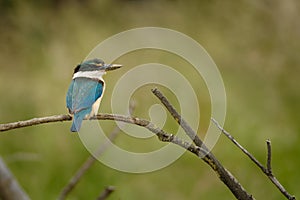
{"x": 254, "y": 43}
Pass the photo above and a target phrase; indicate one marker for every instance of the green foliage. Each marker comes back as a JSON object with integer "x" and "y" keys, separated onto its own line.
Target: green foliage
{"x": 254, "y": 43}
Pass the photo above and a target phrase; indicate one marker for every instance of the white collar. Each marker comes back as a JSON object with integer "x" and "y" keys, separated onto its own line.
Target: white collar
{"x": 89, "y": 74}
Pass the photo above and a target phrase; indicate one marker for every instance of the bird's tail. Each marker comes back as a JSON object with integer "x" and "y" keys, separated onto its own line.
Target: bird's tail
{"x": 77, "y": 120}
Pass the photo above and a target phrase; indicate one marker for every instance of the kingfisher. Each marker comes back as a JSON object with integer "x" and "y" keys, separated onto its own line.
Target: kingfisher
{"x": 86, "y": 90}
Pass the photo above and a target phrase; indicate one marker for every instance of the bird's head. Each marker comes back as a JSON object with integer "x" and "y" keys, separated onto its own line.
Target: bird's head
{"x": 95, "y": 65}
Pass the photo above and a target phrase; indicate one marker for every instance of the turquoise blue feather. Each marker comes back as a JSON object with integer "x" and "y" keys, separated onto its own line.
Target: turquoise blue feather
{"x": 82, "y": 94}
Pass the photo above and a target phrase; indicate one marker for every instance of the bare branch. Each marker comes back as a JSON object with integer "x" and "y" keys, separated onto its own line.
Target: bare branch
{"x": 9, "y": 187}
{"x": 106, "y": 192}
{"x": 267, "y": 171}
{"x": 34, "y": 121}
{"x": 230, "y": 137}
{"x": 269, "y": 155}
{"x": 161, "y": 134}
{"x": 225, "y": 176}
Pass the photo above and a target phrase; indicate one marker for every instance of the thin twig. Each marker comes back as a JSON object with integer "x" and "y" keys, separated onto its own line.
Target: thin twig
{"x": 269, "y": 155}
{"x": 267, "y": 171}
{"x": 239, "y": 146}
{"x": 106, "y": 192}
{"x": 9, "y": 187}
{"x": 226, "y": 177}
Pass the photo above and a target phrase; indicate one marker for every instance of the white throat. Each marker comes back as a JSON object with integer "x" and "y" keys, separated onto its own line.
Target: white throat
{"x": 89, "y": 74}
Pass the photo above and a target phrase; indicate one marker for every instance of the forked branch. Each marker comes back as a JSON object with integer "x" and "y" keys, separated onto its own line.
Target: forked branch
{"x": 266, "y": 170}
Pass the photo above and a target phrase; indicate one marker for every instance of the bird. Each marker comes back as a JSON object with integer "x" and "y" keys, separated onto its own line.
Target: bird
{"x": 86, "y": 90}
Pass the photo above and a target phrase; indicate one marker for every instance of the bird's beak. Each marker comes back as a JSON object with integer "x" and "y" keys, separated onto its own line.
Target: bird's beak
{"x": 109, "y": 67}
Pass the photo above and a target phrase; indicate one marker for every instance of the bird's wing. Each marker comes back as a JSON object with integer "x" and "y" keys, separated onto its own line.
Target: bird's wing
{"x": 82, "y": 93}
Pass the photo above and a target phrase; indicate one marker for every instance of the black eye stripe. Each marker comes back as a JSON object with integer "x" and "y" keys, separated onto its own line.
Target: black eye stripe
{"x": 76, "y": 68}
